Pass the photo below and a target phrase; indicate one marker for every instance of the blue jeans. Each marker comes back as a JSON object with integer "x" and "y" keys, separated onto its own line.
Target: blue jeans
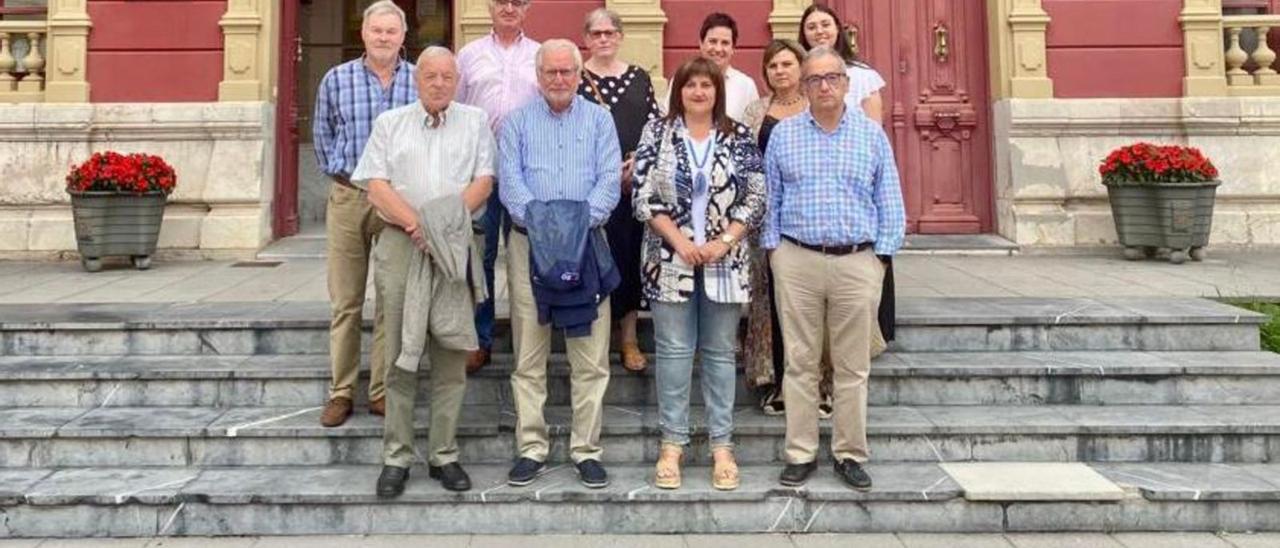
{"x": 495, "y": 221}
{"x": 680, "y": 330}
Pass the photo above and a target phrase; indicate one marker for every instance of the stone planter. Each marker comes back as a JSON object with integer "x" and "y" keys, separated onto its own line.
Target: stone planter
{"x": 1154, "y": 217}
{"x": 109, "y": 223}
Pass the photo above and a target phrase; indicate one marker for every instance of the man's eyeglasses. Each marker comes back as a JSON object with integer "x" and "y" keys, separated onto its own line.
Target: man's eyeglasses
{"x": 552, "y": 74}
{"x": 511, "y": 3}
{"x": 598, "y": 34}
{"x": 833, "y": 79}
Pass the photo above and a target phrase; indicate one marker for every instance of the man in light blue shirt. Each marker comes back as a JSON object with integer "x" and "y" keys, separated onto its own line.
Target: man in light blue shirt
{"x": 835, "y": 214}
{"x": 558, "y": 147}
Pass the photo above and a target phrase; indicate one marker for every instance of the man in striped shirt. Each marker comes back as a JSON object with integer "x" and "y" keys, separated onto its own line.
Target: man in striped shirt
{"x": 835, "y": 214}
{"x": 562, "y": 147}
{"x": 351, "y": 96}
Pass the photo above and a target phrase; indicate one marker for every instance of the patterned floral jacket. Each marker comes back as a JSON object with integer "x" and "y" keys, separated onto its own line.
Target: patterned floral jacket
{"x": 664, "y": 186}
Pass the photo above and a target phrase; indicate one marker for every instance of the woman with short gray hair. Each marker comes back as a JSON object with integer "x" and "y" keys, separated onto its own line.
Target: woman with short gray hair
{"x": 626, "y": 91}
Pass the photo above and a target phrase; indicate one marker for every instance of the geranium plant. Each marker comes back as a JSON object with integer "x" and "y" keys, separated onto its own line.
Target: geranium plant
{"x": 122, "y": 173}
{"x": 1148, "y": 163}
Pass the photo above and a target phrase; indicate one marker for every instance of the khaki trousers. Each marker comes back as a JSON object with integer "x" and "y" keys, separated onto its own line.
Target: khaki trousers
{"x": 588, "y": 362}
{"x": 351, "y": 227}
{"x": 836, "y": 298}
{"x": 448, "y": 367}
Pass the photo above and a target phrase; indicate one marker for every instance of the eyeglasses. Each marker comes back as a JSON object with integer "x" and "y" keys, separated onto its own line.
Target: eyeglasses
{"x": 511, "y": 3}
{"x": 598, "y": 34}
{"x": 552, "y": 74}
{"x": 832, "y": 79}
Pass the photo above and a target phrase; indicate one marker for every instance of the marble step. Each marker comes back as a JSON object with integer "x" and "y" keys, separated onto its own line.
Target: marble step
{"x": 925, "y": 325}
{"x": 907, "y": 497}
{"x": 204, "y": 436}
{"x": 897, "y": 378}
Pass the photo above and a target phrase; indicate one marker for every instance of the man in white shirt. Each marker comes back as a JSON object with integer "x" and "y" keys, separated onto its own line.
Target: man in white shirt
{"x": 429, "y": 149}
{"x": 717, "y": 39}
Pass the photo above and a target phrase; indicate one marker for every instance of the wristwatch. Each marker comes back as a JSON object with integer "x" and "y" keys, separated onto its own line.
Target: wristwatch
{"x": 728, "y": 239}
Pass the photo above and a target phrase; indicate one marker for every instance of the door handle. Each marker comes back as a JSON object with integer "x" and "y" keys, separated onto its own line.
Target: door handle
{"x": 941, "y": 47}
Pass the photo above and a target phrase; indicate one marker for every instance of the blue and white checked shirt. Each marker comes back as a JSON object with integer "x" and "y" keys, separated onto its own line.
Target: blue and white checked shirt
{"x": 349, "y": 99}
{"x": 833, "y": 189}
{"x": 573, "y": 155}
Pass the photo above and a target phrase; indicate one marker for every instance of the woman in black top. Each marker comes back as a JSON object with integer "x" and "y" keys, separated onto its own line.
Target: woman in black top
{"x": 626, "y": 91}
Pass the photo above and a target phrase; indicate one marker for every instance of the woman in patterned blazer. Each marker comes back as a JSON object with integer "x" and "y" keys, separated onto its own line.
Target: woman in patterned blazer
{"x": 700, "y": 190}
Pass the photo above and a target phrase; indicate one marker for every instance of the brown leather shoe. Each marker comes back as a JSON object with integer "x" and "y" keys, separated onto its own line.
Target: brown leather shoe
{"x": 477, "y": 359}
{"x": 378, "y": 407}
{"x": 336, "y": 412}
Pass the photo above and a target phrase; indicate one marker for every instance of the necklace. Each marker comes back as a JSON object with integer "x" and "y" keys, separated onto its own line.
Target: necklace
{"x": 700, "y": 179}
{"x": 786, "y": 103}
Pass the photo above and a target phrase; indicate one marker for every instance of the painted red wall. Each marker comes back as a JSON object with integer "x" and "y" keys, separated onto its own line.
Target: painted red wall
{"x": 155, "y": 50}
{"x": 1115, "y": 48}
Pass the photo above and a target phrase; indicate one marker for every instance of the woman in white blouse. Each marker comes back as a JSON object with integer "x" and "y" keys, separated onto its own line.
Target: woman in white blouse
{"x": 819, "y": 26}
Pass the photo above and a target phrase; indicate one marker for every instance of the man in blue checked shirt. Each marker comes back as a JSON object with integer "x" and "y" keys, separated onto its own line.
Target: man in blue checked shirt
{"x": 351, "y": 96}
{"x": 558, "y": 147}
{"x": 835, "y": 215}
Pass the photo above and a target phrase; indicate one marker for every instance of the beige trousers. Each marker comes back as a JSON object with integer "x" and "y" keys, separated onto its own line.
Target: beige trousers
{"x": 448, "y": 367}
{"x": 351, "y": 227}
{"x": 588, "y": 362}
{"x": 836, "y": 298}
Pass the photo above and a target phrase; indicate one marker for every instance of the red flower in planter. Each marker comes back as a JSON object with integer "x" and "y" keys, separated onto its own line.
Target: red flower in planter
{"x": 1148, "y": 163}
{"x": 128, "y": 174}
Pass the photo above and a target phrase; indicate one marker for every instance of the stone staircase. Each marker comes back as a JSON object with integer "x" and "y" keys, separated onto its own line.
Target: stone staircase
{"x": 202, "y": 419}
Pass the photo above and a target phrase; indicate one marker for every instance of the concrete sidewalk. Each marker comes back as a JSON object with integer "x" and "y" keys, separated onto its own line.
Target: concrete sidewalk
{"x": 1226, "y": 274}
{"x": 1033, "y": 540}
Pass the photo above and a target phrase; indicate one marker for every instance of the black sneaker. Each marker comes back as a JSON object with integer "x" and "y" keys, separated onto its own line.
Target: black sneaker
{"x": 524, "y": 472}
{"x": 772, "y": 403}
{"x": 794, "y": 475}
{"x": 592, "y": 474}
{"x": 849, "y": 471}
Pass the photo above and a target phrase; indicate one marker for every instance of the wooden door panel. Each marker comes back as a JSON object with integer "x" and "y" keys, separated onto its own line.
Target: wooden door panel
{"x": 932, "y": 55}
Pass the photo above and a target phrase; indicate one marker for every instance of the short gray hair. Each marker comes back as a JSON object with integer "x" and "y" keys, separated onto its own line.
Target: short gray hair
{"x": 433, "y": 51}
{"x": 820, "y": 52}
{"x": 599, "y": 14}
{"x": 382, "y": 7}
{"x": 555, "y": 44}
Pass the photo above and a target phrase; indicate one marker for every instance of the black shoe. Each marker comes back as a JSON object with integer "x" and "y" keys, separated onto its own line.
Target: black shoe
{"x": 391, "y": 481}
{"x": 794, "y": 475}
{"x": 451, "y": 476}
{"x": 772, "y": 403}
{"x": 592, "y": 474}
{"x": 825, "y": 407}
{"x": 524, "y": 472}
{"x": 852, "y": 473}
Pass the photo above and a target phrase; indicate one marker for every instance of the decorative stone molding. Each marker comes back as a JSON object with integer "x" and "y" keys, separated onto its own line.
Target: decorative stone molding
{"x": 242, "y": 68}
{"x": 219, "y": 205}
{"x": 472, "y": 21}
{"x": 643, "y": 22}
{"x": 68, "y": 47}
{"x": 784, "y": 20}
{"x": 1027, "y": 61}
{"x": 1049, "y": 193}
{"x": 1202, "y": 46}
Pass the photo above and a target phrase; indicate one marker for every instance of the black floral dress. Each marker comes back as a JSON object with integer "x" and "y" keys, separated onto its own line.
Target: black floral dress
{"x": 629, "y": 98}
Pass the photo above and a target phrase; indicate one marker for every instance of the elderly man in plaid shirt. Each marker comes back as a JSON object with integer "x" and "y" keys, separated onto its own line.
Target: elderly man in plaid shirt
{"x": 835, "y": 215}
{"x": 351, "y": 96}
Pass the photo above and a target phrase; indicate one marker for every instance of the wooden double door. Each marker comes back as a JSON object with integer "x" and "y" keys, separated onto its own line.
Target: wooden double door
{"x": 933, "y": 57}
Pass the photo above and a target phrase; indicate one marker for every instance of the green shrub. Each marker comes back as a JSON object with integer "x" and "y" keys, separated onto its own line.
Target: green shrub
{"x": 1271, "y": 329}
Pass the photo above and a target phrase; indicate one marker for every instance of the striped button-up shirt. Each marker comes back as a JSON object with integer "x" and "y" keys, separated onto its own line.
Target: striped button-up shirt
{"x": 351, "y": 96}
{"x": 423, "y": 162}
{"x": 497, "y": 79}
{"x": 571, "y": 155}
{"x": 837, "y": 188}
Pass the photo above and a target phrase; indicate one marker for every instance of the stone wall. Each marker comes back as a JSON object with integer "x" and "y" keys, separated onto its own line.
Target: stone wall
{"x": 222, "y": 153}
{"x": 1048, "y": 191}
